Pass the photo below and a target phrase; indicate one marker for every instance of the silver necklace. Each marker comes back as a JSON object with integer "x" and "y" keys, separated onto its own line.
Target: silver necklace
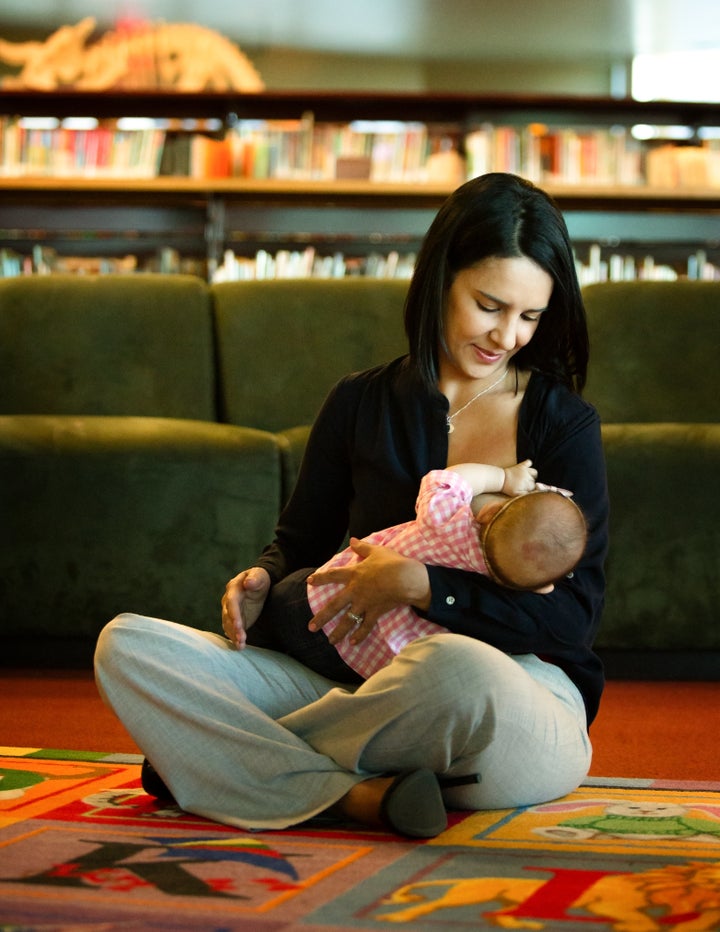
{"x": 451, "y": 417}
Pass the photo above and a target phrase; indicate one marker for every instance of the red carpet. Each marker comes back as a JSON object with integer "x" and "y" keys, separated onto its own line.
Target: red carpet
{"x": 652, "y": 730}
{"x": 658, "y": 730}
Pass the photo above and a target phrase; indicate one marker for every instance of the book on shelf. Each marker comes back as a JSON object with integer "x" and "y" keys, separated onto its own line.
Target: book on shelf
{"x": 692, "y": 166}
{"x": 603, "y": 264}
{"x": 561, "y": 155}
{"x": 308, "y": 263}
{"x": 304, "y": 149}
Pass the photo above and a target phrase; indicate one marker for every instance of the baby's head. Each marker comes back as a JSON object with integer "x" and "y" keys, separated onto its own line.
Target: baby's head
{"x": 532, "y": 540}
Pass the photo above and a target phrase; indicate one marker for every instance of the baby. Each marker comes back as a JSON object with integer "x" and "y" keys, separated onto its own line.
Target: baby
{"x": 526, "y": 538}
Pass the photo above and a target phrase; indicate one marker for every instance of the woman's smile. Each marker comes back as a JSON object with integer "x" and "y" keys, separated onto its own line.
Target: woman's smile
{"x": 486, "y": 356}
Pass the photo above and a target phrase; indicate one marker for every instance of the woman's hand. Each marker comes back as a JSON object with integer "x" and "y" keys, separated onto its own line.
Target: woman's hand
{"x": 242, "y": 603}
{"x": 380, "y": 580}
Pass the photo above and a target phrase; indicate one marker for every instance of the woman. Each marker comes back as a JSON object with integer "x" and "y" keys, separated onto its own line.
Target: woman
{"x": 492, "y": 714}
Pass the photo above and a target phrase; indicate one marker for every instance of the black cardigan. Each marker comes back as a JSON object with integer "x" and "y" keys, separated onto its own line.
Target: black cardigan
{"x": 378, "y": 433}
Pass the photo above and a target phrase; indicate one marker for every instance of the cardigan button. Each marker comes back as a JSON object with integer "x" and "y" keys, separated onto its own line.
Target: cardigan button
{"x": 450, "y": 600}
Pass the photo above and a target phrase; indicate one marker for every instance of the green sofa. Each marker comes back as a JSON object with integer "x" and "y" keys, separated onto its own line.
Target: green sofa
{"x": 151, "y": 428}
{"x": 654, "y": 377}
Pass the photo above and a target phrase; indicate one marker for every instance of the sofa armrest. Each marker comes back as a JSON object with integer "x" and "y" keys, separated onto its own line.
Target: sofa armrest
{"x": 109, "y": 514}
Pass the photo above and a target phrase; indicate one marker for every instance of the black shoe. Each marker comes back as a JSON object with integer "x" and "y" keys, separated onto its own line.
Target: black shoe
{"x": 153, "y": 784}
{"x": 413, "y": 805}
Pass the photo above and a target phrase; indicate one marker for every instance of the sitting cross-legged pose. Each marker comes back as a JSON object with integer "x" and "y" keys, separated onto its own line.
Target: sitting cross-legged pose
{"x": 524, "y": 541}
{"x": 492, "y": 713}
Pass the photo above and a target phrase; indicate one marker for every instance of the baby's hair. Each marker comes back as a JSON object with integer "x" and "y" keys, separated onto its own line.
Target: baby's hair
{"x": 534, "y": 540}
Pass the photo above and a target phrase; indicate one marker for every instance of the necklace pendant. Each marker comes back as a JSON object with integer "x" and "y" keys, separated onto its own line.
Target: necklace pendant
{"x": 484, "y": 391}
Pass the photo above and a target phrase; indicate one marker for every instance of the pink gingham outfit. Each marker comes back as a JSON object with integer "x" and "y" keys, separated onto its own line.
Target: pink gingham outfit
{"x": 444, "y": 533}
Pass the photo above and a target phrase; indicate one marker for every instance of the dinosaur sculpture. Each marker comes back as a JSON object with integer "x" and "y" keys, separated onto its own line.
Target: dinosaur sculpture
{"x": 170, "y": 56}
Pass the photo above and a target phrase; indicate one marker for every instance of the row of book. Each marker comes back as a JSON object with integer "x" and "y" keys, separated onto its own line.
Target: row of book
{"x": 414, "y": 153}
{"x": 598, "y": 265}
{"x": 68, "y": 153}
{"x": 45, "y": 260}
{"x": 595, "y": 263}
{"x": 401, "y": 152}
{"x": 604, "y": 265}
{"x": 569, "y": 156}
{"x": 308, "y": 263}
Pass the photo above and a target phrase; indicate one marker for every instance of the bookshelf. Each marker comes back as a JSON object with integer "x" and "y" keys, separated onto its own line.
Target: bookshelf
{"x": 171, "y": 221}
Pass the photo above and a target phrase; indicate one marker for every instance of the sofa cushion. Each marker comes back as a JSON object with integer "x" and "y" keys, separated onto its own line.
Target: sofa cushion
{"x": 149, "y": 515}
{"x": 662, "y": 571}
{"x": 283, "y": 344}
{"x": 122, "y": 345}
{"x": 652, "y": 347}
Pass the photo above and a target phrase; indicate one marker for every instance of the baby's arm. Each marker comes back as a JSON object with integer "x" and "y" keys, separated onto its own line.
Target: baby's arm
{"x": 512, "y": 480}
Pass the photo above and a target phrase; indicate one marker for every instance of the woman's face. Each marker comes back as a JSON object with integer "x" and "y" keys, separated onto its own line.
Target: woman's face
{"x": 493, "y": 309}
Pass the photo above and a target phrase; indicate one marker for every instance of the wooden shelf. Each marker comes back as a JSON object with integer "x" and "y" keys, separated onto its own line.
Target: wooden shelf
{"x": 595, "y": 197}
{"x": 344, "y": 106}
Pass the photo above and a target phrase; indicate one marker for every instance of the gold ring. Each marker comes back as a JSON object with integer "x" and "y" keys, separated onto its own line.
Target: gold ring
{"x": 356, "y": 619}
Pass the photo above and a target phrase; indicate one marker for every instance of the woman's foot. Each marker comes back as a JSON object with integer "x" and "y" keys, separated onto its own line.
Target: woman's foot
{"x": 410, "y": 804}
{"x": 153, "y": 784}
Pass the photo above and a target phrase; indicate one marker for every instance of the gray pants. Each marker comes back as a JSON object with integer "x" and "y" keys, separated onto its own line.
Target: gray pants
{"x": 254, "y": 739}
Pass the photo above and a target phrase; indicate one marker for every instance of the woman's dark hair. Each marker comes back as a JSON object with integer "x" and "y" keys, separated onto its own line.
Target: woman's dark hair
{"x": 504, "y": 216}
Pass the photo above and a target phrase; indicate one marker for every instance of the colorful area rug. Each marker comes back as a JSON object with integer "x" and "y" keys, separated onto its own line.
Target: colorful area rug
{"x": 83, "y": 848}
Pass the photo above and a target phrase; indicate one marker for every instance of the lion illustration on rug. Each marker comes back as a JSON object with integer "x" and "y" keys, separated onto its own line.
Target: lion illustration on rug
{"x": 681, "y": 897}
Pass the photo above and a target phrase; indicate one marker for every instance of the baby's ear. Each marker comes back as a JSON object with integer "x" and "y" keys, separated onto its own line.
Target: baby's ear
{"x": 483, "y": 498}
{"x": 487, "y": 512}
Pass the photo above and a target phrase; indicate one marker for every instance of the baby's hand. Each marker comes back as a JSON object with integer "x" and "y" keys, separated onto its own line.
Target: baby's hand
{"x": 519, "y": 478}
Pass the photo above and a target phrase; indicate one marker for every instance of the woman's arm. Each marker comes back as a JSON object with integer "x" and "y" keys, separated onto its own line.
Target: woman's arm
{"x": 243, "y": 602}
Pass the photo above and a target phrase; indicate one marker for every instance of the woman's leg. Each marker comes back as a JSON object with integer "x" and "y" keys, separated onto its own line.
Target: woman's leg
{"x": 204, "y": 714}
{"x": 254, "y": 739}
{"x": 458, "y": 707}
